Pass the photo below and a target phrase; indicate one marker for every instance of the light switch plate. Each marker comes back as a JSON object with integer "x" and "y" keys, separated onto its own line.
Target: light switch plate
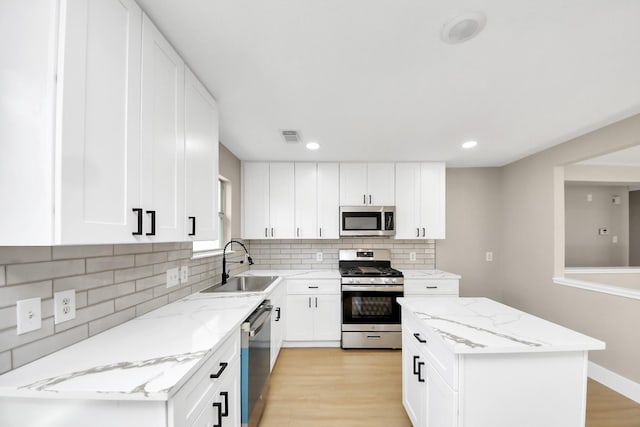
{"x": 173, "y": 277}
{"x": 319, "y": 256}
{"x": 64, "y": 305}
{"x": 29, "y": 315}
{"x": 412, "y": 256}
{"x": 488, "y": 256}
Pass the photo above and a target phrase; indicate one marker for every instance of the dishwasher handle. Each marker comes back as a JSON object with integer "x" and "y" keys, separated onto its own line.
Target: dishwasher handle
{"x": 257, "y": 320}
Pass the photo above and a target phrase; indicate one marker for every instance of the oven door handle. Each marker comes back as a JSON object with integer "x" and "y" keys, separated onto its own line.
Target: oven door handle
{"x": 372, "y": 288}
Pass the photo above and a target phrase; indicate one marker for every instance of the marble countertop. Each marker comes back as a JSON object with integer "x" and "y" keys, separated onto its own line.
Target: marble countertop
{"x": 295, "y": 274}
{"x": 429, "y": 274}
{"x": 480, "y": 325}
{"x": 147, "y": 358}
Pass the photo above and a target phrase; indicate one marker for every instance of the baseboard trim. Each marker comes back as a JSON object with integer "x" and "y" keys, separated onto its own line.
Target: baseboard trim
{"x": 622, "y": 385}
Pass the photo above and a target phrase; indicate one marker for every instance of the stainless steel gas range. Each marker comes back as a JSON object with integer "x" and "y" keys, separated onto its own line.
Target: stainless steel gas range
{"x": 370, "y": 313}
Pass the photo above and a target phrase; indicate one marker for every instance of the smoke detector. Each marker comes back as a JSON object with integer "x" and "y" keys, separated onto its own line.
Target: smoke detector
{"x": 291, "y": 136}
{"x": 463, "y": 27}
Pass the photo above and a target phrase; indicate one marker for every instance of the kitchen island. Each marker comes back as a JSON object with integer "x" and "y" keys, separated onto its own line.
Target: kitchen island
{"x": 473, "y": 362}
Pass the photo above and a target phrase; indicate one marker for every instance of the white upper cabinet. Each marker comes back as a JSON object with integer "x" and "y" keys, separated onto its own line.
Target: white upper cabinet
{"x": 201, "y": 160}
{"x": 328, "y": 201}
{"x": 102, "y": 157}
{"x": 306, "y": 200}
{"x": 162, "y": 136}
{"x": 367, "y": 184}
{"x": 420, "y": 201}
{"x": 268, "y": 200}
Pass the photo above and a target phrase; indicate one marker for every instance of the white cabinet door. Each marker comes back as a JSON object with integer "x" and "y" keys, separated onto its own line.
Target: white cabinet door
{"x": 433, "y": 199}
{"x": 201, "y": 161}
{"x": 300, "y": 319}
{"x": 162, "y": 136}
{"x": 99, "y": 116}
{"x": 255, "y": 194}
{"x": 306, "y": 200}
{"x": 420, "y": 201}
{"x": 278, "y": 300}
{"x": 414, "y": 391}
{"x": 328, "y": 201}
{"x": 281, "y": 200}
{"x": 327, "y": 317}
{"x": 381, "y": 184}
{"x": 408, "y": 201}
{"x": 353, "y": 184}
{"x": 441, "y": 401}
{"x": 367, "y": 184}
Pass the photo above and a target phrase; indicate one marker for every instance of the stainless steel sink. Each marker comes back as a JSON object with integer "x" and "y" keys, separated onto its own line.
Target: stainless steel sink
{"x": 244, "y": 284}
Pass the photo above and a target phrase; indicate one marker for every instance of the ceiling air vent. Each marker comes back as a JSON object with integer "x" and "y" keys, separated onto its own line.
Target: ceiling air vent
{"x": 291, "y": 136}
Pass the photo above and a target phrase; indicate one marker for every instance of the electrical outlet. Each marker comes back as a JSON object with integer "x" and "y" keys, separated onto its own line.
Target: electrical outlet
{"x": 29, "y": 315}
{"x": 488, "y": 256}
{"x": 64, "y": 305}
{"x": 173, "y": 277}
{"x": 604, "y": 231}
{"x": 318, "y": 256}
{"x": 412, "y": 256}
{"x": 614, "y": 239}
{"x": 184, "y": 274}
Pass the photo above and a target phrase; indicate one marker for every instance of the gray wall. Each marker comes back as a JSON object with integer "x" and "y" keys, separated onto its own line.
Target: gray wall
{"x": 584, "y": 246}
{"x": 533, "y": 249}
{"x": 634, "y": 228}
{"x": 229, "y": 168}
{"x": 474, "y": 227}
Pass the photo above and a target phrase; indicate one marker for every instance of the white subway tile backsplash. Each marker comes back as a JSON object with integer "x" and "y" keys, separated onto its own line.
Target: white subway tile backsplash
{"x": 22, "y": 254}
{"x": 107, "y": 322}
{"x": 110, "y": 263}
{"x": 132, "y": 273}
{"x": 150, "y": 282}
{"x": 2, "y": 276}
{"x": 86, "y": 315}
{"x": 8, "y": 317}
{"x": 84, "y": 282}
{"x": 9, "y": 339}
{"x": 110, "y": 292}
{"x": 152, "y": 258}
{"x": 69, "y": 252}
{"x": 138, "y": 248}
{"x": 32, "y": 272}
{"x": 30, "y": 352}
{"x": 5, "y": 361}
{"x": 133, "y": 299}
{"x": 9, "y": 295}
{"x": 147, "y": 306}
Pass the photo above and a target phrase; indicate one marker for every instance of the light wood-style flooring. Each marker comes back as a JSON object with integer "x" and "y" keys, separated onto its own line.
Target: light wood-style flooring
{"x": 322, "y": 387}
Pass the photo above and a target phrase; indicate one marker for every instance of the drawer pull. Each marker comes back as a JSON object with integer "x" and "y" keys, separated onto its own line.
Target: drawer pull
{"x": 415, "y": 367}
{"x": 420, "y": 365}
{"x": 312, "y": 287}
{"x": 153, "y": 223}
{"x": 193, "y": 225}
{"x": 225, "y": 395}
{"x": 432, "y": 287}
{"x": 374, "y": 337}
{"x": 219, "y": 406}
{"x": 420, "y": 340}
{"x": 223, "y": 366}
{"x": 138, "y": 213}
{"x": 278, "y": 312}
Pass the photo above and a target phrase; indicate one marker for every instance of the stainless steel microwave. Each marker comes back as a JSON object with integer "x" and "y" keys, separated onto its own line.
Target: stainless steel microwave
{"x": 367, "y": 220}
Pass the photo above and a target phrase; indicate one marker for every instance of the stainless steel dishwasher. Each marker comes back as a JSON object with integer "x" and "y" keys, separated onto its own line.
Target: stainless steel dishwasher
{"x": 255, "y": 357}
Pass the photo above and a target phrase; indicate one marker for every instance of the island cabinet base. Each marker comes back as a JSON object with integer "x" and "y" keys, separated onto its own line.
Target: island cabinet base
{"x": 522, "y": 389}
{"x": 452, "y": 377}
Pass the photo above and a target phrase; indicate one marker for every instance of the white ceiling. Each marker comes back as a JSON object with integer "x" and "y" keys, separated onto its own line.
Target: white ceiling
{"x": 371, "y": 79}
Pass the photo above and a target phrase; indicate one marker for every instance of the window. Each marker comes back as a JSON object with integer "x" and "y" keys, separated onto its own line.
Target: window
{"x": 211, "y": 247}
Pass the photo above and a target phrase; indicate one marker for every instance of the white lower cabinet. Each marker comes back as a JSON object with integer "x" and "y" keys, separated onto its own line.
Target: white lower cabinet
{"x": 278, "y": 298}
{"x": 431, "y": 287}
{"x": 313, "y": 312}
{"x": 212, "y": 395}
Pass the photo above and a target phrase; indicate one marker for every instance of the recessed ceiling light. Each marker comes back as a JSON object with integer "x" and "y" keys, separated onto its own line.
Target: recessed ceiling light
{"x": 313, "y": 145}
{"x": 463, "y": 27}
{"x": 469, "y": 144}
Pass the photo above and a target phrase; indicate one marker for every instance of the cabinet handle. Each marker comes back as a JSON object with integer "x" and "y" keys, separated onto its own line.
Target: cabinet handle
{"x": 423, "y": 233}
{"x": 364, "y": 199}
{"x": 193, "y": 225}
{"x": 298, "y": 232}
{"x": 138, "y": 213}
{"x": 312, "y": 287}
{"x": 420, "y": 365}
{"x": 223, "y": 366}
{"x": 271, "y": 231}
{"x": 309, "y": 302}
{"x": 418, "y": 232}
{"x": 219, "y": 406}
{"x": 420, "y": 340}
{"x": 278, "y": 311}
{"x": 432, "y": 287}
{"x": 369, "y": 198}
{"x": 316, "y": 302}
{"x": 225, "y": 396}
{"x": 266, "y": 233}
{"x": 320, "y": 231}
{"x": 153, "y": 223}
{"x": 373, "y": 337}
{"x": 415, "y": 366}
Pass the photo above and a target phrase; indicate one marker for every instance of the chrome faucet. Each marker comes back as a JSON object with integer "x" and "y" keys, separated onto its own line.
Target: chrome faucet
{"x": 225, "y": 273}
